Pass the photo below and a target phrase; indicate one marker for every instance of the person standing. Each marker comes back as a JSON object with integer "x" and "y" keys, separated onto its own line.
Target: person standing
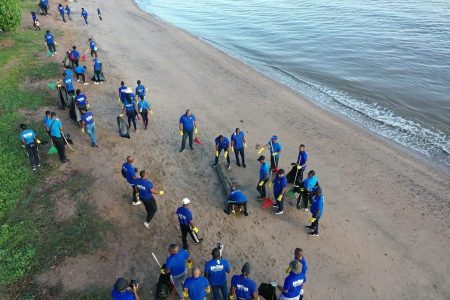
{"x": 45, "y": 120}
{"x": 81, "y": 100}
{"x": 55, "y": 130}
{"x": 242, "y": 286}
{"x": 43, "y": 4}
{"x": 279, "y": 189}
{"x": 129, "y": 172}
{"x": 129, "y": 107}
{"x": 88, "y": 125}
{"x": 187, "y": 126}
{"x": 298, "y": 255}
{"x": 292, "y": 288}
{"x": 74, "y": 56}
{"x": 176, "y": 265}
{"x": 144, "y": 108}
{"x": 99, "y": 13}
{"x": 68, "y": 12}
{"x": 93, "y": 47}
{"x": 50, "y": 41}
{"x": 80, "y": 72}
{"x": 98, "y": 76}
{"x": 61, "y": 12}
{"x": 295, "y": 176}
{"x": 216, "y": 272}
{"x": 146, "y": 192}
{"x": 316, "y": 210}
{"x": 306, "y": 192}
{"x": 68, "y": 84}
{"x": 264, "y": 177}
{"x": 186, "y": 224}
{"x": 140, "y": 90}
{"x": 29, "y": 141}
{"x": 35, "y": 21}
{"x": 222, "y": 143}
{"x": 84, "y": 14}
{"x": 237, "y": 146}
{"x": 197, "y": 286}
{"x": 122, "y": 93}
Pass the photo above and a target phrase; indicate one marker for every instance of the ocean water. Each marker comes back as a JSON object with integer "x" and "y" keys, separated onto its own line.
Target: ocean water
{"x": 384, "y": 64}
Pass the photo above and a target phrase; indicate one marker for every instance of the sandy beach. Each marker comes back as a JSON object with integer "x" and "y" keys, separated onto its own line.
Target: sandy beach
{"x": 385, "y": 233}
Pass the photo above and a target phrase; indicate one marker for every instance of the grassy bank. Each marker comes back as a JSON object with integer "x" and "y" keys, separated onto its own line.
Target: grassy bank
{"x": 32, "y": 239}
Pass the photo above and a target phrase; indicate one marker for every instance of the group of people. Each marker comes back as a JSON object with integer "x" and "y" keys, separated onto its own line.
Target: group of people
{"x": 66, "y": 11}
{"x": 134, "y": 104}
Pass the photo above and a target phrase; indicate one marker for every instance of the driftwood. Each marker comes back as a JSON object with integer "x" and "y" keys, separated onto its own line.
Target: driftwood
{"x": 225, "y": 178}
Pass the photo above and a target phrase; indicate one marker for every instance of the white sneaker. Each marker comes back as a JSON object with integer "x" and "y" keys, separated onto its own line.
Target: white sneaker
{"x": 78, "y": 80}
{"x": 96, "y": 82}
{"x": 86, "y": 83}
{"x": 137, "y": 203}
{"x": 279, "y": 212}
{"x": 147, "y": 224}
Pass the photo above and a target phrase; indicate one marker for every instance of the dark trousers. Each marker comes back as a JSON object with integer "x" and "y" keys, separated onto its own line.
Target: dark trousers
{"x": 279, "y": 203}
{"x": 76, "y": 62}
{"x": 304, "y": 199}
{"x": 186, "y": 134}
{"x": 82, "y": 76}
{"x": 59, "y": 145}
{"x": 185, "y": 229}
{"x": 315, "y": 226}
{"x": 93, "y": 53}
{"x": 64, "y": 19}
{"x": 236, "y": 154}
{"x": 230, "y": 206}
{"x": 44, "y": 9}
{"x": 85, "y": 20}
{"x": 51, "y": 48}
{"x": 97, "y": 75}
{"x": 262, "y": 189}
{"x": 299, "y": 180}
{"x": 217, "y": 157}
{"x": 33, "y": 154}
{"x": 273, "y": 161}
{"x": 68, "y": 15}
{"x": 217, "y": 289}
{"x": 131, "y": 119}
{"x": 150, "y": 208}
{"x": 144, "y": 115}
{"x": 135, "y": 193}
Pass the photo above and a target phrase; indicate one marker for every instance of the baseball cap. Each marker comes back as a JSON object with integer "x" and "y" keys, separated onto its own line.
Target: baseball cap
{"x": 121, "y": 284}
{"x": 128, "y": 91}
{"x": 274, "y": 138}
{"x": 185, "y": 201}
{"x": 262, "y": 157}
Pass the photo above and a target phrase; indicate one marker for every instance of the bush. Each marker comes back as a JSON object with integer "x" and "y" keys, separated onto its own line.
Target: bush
{"x": 10, "y": 15}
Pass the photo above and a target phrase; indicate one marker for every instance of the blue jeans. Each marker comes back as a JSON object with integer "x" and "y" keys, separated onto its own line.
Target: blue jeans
{"x": 216, "y": 289}
{"x": 90, "y": 129}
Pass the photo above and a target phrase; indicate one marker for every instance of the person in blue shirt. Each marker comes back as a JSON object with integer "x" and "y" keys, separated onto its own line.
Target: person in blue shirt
{"x": 61, "y": 12}
{"x": 146, "y": 192}
{"x": 46, "y": 119}
{"x": 176, "y": 265}
{"x": 140, "y": 90}
{"x": 279, "y": 189}
{"x": 68, "y": 84}
{"x": 122, "y": 93}
{"x": 68, "y": 11}
{"x": 264, "y": 177}
{"x": 74, "y": 56}
{"x": 242, "y": 286}
{"x": 84, "y": 14}
{"x": 29, "y": 141}
{"x": 307, "y": 190}
{"x": 123, "y": 291}
{"x": 186, "y": 225}
{"x": 216, "y": 272}
{"x": 187, "y": 126}
{"x": 129, "y": 107}
{"x": 197, "y": 286}
{"x": 43, "y": 5}
{"x": 50, "y": 41}
{"x": 316, "y": 210}
{"x": 93, "y": 47}
{"x": 298, "y": 255}
{"x": 295, "y": 176}
{"x": 88, "y": 125}
{"x": 144, "y": 108}
{"x": 237, "y": 146}
{"x": 98, "y": 74}
{"x": 35, "y": 21}
{"x": 275, "y": 150}
{"x": 236, "y": 198}
{"x": 55, "y": 129}
{"x": 80, "y": 71}
{"x": 81, "y": 100}
{"x": 129, "y": 172}
{"x": 292, "y": 289}
{"x": 222, "y": 143}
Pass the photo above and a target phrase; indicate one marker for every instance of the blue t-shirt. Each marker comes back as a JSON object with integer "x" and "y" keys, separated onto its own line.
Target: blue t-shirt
{"x": 184, "y": 215}
{"x": 304, "y": 265}
{"x": 188, "y": 122}
{"x": 223, "y": 145}
{"x": 245, "y": 287}
{"x": 129, "y": 172}
{"x": 279, "y": 183}
{"x": 238, "y": 140}
{"x": 75, "y": 54}
{"x": 302, "y": 158}
{"x": 317, "y": 206}
{"x": 276, "y": 147}
{"x": 87, "y": 118}
{"x": 216, "y": 270}
{"x": 68, "y": 10}
{"x": 28, "y": 136}
{"x": 68, "y": 83}
{"x": 81, "y": 100}
{"x": 143, "y": 105}
{"x": 196, "y": 287}
{"x": 140, "y": 90}
{"x": 309, "y": 183}
{"x": 293, "y": 284}
{"x": 55, "y": 126}
{"x": 122, "y": 93}
{"x": 144, "y": 187}
{"x": 97, "y": 64}
{"x": 129, "y": 106}
{"x": 124, "y": 295}
{"x": 45, "y": 121}
{"x": 176, "y": 263}
{"x": 264, "y": 171}
{"x": 79, "y": 70}
{"x": 49, "y": 39}
{"x": 92, "y": 45}
{"x": 237, "y": 196}
{"x": 61, "y": 10}
{"x": 84, "y": 13}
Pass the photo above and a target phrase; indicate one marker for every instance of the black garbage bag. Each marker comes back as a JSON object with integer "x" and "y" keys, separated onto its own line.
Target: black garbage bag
{"x": 123, "y": 129}
{"x": 291, "y": 175}
{"x": 64, "y": 98}
{"x": 74, "y": 112}
{"x": 267, "y": 291}
{"x": 164, "y": 286}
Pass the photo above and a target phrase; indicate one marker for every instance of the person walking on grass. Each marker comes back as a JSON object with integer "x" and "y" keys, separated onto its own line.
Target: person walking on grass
{"x": 74, "y": 56}
{"x": 264, "y": 177}
{"x": 307, "y": 190}
{"x": 187, "y": 126}
{"x": 129, "y": 173}
{"x": 80, "y": 72}
{"x": 316, "y": 211}
{"x": 84, "y": 15}
{"x": 68, "y": 12}
{"x": 242, "y": 287}
{"x": 216, "y": 272}
{"x": 35, "y": 21}
{"x": 292, "y": 289}
{"x": 144, "y": 108}
{"x": 88, "y": 125}
{"x": 50, "y": 42}
{"x": 237, "y": 146}
{"x": 197, "y": 286}
{"x": 43, "y": 5}
{"x": 93, "y": 47}
{"x": 279, "y": 189}
{"x": 186, "y": 224}
{"x": 61, "y": 12}
{"x": 55, "y": 130}
{"x": 29, "y": 142}
{"x": 177, "y": 264}
{"x": 222, "y": 143}
{"x": 146, "y": 192}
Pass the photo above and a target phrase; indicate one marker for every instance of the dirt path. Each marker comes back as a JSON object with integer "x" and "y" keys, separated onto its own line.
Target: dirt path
{"x": 385, "y": 231}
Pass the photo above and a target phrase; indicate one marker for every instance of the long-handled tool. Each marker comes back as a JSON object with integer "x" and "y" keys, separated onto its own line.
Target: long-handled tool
{"x": 65, "y": 139}
{"x": 157, "y": 261}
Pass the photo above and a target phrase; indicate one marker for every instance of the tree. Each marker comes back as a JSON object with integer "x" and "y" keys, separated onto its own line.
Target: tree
{"x": 10, "y": 14}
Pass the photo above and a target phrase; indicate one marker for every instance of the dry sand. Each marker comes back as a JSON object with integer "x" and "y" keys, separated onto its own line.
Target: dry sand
{"x": 385, "y": 230}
